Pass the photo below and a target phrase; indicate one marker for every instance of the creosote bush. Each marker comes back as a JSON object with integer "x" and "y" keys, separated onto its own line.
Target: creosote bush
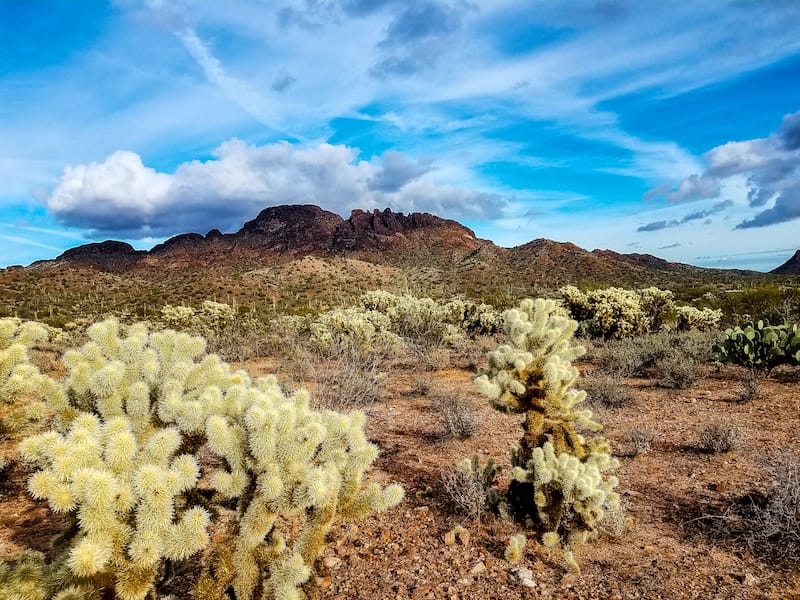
{"x": 562, "y": 482}
{"x": 128, "y": 421}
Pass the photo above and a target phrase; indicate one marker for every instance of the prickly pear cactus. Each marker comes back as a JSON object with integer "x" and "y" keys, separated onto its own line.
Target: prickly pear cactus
{"x": 760, "y": 346}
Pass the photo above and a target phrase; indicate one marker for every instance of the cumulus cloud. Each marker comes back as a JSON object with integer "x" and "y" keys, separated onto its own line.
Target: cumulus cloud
{"x": 770, "y": 165}
{"x": 122, "y": 196}
{"x": 692, "y": 216}
{"x": 785, "y": 208}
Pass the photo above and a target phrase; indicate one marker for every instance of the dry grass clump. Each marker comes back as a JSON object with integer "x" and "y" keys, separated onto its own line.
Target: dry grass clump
{"x": 348, "y": 378}
{"x": 466, "y": 492}
{"x": 607, "y": 391}
{"x": 776, "y": 523}
{"x": 459, "y": 420}
{"x": 720, "y": 436}
{"x": 640, "y": 440}
{"x": 470, "y": 487}
{"x": 751, "y": 386}
{"x": 768, "y": 524}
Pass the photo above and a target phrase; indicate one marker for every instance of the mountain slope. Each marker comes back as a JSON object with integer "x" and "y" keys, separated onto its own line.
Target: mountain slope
{"x": 302, "y": 256}
{"x": 790, "y": 267}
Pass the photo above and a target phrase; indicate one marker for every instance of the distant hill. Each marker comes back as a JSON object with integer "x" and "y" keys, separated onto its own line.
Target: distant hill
{"x": 302, "y": 256}
{"x": 790, "y": 267}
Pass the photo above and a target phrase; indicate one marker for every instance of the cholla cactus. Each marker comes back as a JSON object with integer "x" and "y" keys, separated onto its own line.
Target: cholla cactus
{"x": 209, "y": 317}
{"x": 560, "y": 481}
{"x": 134, "y": 408}
{"x": 17, "y": 375}
{"x": 515, "y": 550}
{"x": 690, "y": 318}
{"x": 353, "y": 327}
{"x": 657, "y": 304}
{"x": 616, "y": 312}
{"x": 421, "y": 318}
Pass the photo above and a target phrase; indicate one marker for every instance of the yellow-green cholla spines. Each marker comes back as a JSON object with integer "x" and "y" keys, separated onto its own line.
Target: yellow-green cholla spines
{"x": 560, "y": 480}
{"x": 139, "y": 402}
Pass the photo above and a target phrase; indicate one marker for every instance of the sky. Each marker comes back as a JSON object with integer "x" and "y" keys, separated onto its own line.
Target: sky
{"x": 667, "y": 128}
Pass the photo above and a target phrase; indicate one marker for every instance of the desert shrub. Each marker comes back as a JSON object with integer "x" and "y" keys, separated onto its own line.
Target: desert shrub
{"x": 129, "y": 420}
{"x": 639, "y": 356}
{"x": 640, "y": 440}
{"x": 608, "y": 392}
{"x": 766, "y": 522}
{"x": 470, "y": 487}
{"x": 561, "y": 481}
{"x": 458, "y": 419}
{"x": 720, "y": 436}
{"x": 346, "y": 377}
{"x": 631, "y": 357}
{"x": 774, "y": 523}
{"x": 677, "y": 371}
{"x": 430, "y": 357}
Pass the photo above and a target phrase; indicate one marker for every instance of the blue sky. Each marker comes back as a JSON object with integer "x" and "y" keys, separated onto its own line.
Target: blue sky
{"x": 666, "y": 128}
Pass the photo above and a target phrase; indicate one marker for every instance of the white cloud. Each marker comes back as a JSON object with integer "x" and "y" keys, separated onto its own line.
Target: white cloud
{"x": 123, "y": 196}
{"x": 771, "y": 166}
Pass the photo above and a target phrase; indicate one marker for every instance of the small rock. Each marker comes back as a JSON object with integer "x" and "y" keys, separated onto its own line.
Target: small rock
{"x": 649, "y": 549}
{"x": 331, "y": 562}
{"x": 477, "y": 569}
{"x": 450, "y": 538}
{"x": 750, "y": 579}
{"x": 463, "y": 536}
{"x": 569, "y": 580}
{"x": 525, "y": 576}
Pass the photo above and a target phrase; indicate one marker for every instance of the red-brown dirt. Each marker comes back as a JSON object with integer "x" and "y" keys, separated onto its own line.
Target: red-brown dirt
{"x": 663, "y": 553}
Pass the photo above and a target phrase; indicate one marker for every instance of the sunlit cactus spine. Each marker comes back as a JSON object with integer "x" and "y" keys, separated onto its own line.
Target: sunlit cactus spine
{"x": 562, "y": 483}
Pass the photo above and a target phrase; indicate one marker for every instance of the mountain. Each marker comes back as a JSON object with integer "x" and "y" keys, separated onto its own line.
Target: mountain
{"x": 790, "y": 267}
{"x": 302, "y": 256}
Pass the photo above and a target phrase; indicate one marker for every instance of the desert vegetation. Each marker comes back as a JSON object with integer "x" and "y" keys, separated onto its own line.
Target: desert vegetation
{"x": 397, "y": 444}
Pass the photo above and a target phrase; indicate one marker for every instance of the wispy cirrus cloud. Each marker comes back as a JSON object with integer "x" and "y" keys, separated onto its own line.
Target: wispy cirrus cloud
{"x": 692, "y": 216}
